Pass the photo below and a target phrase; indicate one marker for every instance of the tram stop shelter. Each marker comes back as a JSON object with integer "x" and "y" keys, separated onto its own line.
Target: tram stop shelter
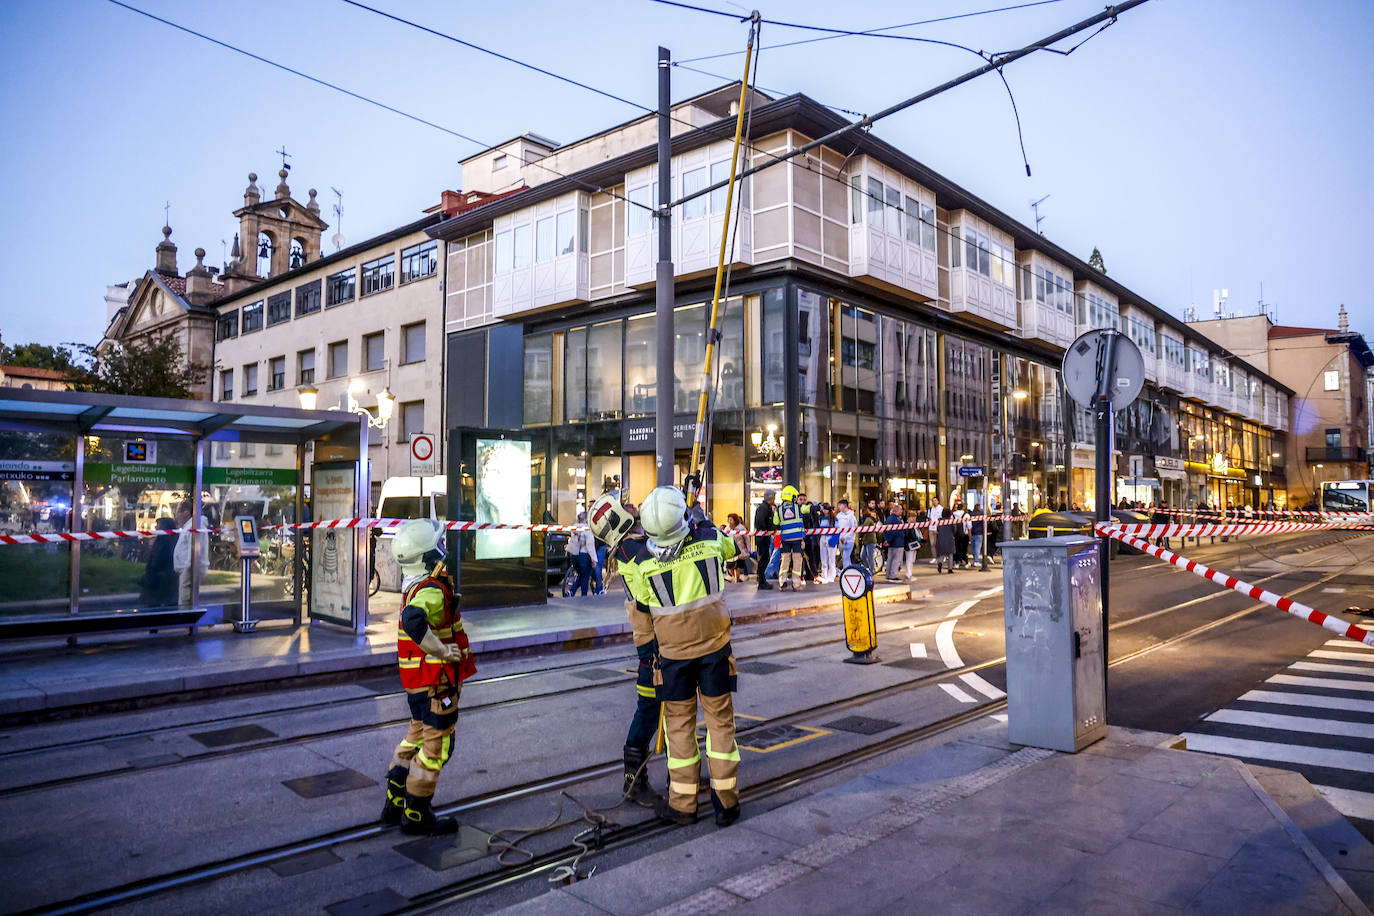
{"x": 79, "y": 463}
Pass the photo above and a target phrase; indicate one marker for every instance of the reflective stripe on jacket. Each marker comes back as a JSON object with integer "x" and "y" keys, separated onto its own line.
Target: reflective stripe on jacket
{"x": 419, "y": 669}
{"x": 684, "y": 595}
{"x": 789, "y": 520}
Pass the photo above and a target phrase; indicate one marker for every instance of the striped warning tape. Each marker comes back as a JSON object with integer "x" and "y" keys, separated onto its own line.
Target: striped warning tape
{"x": 1334, "y": 624}
{"x": 1236, "y": 529}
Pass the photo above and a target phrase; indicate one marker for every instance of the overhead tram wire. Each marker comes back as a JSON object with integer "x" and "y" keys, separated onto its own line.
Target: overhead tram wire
{"x": 997, "y": 62}
{"x": 362, "y": 98}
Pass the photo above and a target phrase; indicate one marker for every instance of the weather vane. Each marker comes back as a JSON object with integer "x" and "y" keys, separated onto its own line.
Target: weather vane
{"x": 284, "y": 156}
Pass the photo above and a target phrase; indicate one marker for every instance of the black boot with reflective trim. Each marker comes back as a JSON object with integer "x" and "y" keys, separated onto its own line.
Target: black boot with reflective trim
{"x": 395, "y": 795}
{"x": 671, "y": 815}
{"x": 636, "y": 787}
{"x": 420, "y": 819}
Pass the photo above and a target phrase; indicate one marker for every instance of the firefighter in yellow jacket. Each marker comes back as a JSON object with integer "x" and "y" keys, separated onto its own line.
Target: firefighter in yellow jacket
{"x": 433, "y": 654}
{"x": 678, "y": 576}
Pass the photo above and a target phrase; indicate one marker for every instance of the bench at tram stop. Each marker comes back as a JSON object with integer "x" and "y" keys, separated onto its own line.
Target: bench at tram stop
{"x": 85, "y": 623}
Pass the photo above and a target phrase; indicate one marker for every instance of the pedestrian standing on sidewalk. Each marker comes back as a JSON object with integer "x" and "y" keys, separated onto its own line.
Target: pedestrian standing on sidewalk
{"x": 944, "y": 542}
{"x": 846, "y": 521}
{"x": 763, "y": 538}
{"x": 960, "y": 527}
{"x": 895, "y": 539}
{"x": 181, "y": 555}
{"x": 827, "y": 542}
{"x": 582, "y": 553}
{"x": 975, "y": 535}
{"x": 868, "y": 540}
{"x": 736, "y": 568}
{"x": 913, "y": 540}
{"x": 933, "y": 515}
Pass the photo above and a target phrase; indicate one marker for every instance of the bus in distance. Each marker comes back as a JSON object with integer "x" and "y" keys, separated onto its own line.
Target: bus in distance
{"x": 1347, "y": 496}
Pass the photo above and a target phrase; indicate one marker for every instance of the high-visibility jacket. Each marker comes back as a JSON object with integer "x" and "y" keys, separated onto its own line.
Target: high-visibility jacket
{"x": 684, "y": 595}
{"x": 789, "y": 519}
{"x": 419, "y": 669}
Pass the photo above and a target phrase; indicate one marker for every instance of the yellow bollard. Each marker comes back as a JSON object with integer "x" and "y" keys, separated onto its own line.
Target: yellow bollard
{"x": 860, "y": 627}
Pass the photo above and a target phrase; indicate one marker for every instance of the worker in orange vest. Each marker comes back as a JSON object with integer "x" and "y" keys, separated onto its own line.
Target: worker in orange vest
{"x": 433, "y": 654}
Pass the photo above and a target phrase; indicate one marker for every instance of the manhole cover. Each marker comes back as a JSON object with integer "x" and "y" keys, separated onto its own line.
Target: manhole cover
{"x": 330, "y": 783}
{"x": 236, "y": 735}
{"x": 778, "y": 737}
{"x": 861, "y": 725}
{"x": 440, "y": 852}
{"x": 760, "y": 667}
{"x": 596, "y": 674}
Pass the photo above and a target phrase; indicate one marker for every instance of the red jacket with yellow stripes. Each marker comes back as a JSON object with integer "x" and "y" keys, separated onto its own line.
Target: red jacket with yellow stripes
{"x": 441, "y": 611}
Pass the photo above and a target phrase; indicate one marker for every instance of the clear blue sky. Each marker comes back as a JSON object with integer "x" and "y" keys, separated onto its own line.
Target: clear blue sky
{"x": 1198, "y": 144}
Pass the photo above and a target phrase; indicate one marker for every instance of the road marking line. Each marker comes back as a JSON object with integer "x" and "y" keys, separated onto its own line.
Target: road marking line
{"x": 988, "y": 593}
{"x": 1338, "y": 669}
{"x": 999, "y": 716}
{"x": 918, "y": 650}
{"x": 944, "y": 642}
{"x": 1293, "y": 723}
{"x": 1349, "y": 644}
{"x": 982, "y": 686}
{"x": 961, "y": 608}
{"x": 957, "y": 693}
{"x": 1342, "y": 656}
{"x": 1326, "y": 682}
{"x": 1349, "y": 802}
{"x": 1334, "y": 591}
{"x": 1285, "y": 753}
{"x": 1307, "y": 699}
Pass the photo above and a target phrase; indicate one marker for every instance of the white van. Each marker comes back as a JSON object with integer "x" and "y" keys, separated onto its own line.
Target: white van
{"x": 401, "y": 498}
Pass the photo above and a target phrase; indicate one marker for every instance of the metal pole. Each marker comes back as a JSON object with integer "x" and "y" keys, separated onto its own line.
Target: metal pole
{"x": 663, "y": 280}
{"x": 1006, "y": 517}
{"x": 1102, "y": 417}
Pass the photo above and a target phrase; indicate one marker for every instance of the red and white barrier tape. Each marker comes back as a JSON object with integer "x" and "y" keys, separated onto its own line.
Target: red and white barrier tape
{"x": 60, "y": 537}
{"x": 1293, "y": 515}
{"x": 1334, "y": 624}
{"x": 1234, "y": 530}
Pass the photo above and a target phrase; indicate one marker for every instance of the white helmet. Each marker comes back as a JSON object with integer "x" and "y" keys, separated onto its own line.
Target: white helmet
{"x": 664, "y": 516}
{"x": 418, "y": 545}
{"x": 609, "y": 520}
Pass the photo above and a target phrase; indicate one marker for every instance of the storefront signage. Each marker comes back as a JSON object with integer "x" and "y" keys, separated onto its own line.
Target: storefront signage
{"x": 1168, "y": 464}
{"x": 166, "y": 476}
{"x": 637, "y": 435}
{"x": 37, "y": 470}
{"x": 503, "y": 497}
{"x": 972, "y": 470}
{"x": 1220, "y": 464}
{"x": 182, "y": 475}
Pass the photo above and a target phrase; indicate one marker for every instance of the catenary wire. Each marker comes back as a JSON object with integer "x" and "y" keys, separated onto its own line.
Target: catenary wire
{"x": 360, "y": 97}
{"x": 878, "y": 32}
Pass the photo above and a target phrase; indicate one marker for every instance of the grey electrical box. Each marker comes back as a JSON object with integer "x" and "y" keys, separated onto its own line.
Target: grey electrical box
{"x": 1056, "y": 694}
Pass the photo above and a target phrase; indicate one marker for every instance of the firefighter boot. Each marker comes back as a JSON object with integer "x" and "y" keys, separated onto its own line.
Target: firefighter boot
{"x": 636, "y": 787}
{"x": 724, "y": 816}
{"x": 420, "y": 819}
{"x": 671, "y": 815}
{"x": 395, "y": 795}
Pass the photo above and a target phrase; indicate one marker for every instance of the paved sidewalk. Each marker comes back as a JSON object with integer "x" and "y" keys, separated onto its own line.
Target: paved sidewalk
{"x": 42, "y": 675}
{"x": 979, "y": 826}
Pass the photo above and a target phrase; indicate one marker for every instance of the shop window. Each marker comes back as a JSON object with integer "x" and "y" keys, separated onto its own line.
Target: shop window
{"x": 604, "y": 349}
{"x": 538, "y": 400}
{"x": 640, "y": 374}
{"x": 575, "y": 375}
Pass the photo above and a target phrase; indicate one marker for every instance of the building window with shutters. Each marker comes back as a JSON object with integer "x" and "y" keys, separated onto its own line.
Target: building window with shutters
{"x": 279, "y": 308}
{"x": 412, "y": 420}
{"x": 374, "y": 352}
{"x": 250, "y": 380}
{"x": 338, "y": 359}
{"x": 226, "y": 385}
{"x": 305, "y": 367}
{"x": 413, "y": 343}
{"x": 276, "y": 373}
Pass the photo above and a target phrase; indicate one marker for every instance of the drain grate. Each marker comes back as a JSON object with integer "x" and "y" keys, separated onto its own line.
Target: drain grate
{"x": 331, "y": 783}
{"x": 306, "y": 861}
{"x": 778, "y": 737}
{"x": 438, "y": 853}
{"x": 596, "y": 674}
{"x": 861, "y": 725}
{"x": 760, "y": 667}
{"x": 236, "y": 735}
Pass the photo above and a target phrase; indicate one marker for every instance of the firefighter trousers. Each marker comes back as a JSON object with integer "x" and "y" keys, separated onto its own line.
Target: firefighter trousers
{"x": 644, "y": 724}
{"x": 710, "y": 680}
{"x": 428, "y": 743}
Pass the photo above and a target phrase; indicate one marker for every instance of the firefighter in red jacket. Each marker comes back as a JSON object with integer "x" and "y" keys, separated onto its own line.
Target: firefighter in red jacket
{"x": 434, "y": 658}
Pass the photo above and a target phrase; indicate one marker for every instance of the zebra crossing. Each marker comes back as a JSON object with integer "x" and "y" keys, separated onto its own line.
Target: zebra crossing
{"x": 1316, "y": 718}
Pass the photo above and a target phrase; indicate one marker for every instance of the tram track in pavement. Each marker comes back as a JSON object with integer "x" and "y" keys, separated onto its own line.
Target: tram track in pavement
{"x": 476, "y": 885}
{"x": 363, "y": 728}
{"x": 512, "y": 702}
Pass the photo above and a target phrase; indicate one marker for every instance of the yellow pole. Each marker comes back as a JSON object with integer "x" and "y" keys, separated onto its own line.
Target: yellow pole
{"x": 697, "y": 443}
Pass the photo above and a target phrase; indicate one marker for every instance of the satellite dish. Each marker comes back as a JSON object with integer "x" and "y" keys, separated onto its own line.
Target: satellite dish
{"x": 338, "y": 240}
{"x": 1081, "y": 374}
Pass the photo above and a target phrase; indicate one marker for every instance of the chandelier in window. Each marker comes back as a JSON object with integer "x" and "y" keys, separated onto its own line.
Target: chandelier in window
{"x": 770, "y": 446}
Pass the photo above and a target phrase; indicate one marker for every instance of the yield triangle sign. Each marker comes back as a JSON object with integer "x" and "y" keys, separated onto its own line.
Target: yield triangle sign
{"x": 852, "y": 583}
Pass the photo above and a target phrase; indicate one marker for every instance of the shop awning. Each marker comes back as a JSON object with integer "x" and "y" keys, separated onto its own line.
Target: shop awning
{"x": 1139, "y": 482}
{"x": 1170, "y": 473}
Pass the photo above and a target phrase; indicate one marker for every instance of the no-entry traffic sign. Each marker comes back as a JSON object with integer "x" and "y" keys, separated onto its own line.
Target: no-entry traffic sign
{"x": 422, "y": 463}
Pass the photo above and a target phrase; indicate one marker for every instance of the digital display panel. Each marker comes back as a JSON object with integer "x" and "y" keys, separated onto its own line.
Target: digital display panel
{"x": 503, "y": 497}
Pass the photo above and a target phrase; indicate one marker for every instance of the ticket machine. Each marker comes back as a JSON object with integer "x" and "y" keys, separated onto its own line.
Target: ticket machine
{"x": 246, "y": 533}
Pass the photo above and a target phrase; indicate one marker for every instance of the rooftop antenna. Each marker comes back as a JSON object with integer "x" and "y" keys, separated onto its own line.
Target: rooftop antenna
{"x": 1267, "y": 308}
{"x": 1219, "y": 297}
{"x": 337, "y": 240}
{"x": 1035, "y": 208}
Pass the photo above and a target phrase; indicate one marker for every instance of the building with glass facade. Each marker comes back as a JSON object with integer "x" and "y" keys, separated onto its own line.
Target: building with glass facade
{"x": 883, "y": 327}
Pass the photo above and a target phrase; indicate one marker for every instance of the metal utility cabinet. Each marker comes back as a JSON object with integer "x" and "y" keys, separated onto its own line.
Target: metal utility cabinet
{"x": 1056, "y": 694}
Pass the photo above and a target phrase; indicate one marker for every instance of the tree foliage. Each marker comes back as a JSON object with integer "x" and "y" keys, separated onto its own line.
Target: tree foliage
{"x": 154, "y": 367}
{"x": 1095, "y": 260}
{"x": 39, "y": 356}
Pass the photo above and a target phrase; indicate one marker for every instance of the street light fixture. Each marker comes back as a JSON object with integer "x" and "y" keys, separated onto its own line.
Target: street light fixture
{"x": 309, "y": 396}
{"x": 386, "y": 402}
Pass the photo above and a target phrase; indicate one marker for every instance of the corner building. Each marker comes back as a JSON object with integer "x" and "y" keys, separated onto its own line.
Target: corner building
{"x": 883, "y": 327}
